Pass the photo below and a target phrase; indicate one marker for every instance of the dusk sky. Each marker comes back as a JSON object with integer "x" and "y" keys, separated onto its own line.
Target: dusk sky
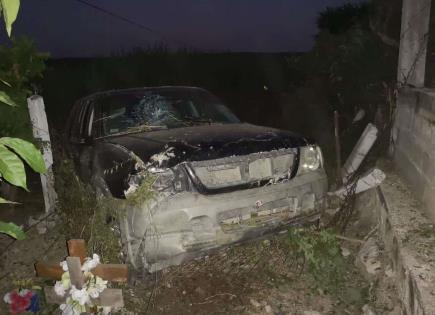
{"x": 70, "y": 28}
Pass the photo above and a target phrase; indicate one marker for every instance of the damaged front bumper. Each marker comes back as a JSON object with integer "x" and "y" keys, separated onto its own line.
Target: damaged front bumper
{"x": 170, "y": 229}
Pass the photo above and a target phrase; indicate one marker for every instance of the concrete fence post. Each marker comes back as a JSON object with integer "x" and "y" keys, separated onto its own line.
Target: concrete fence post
{"x": 359, "y": 152}
{"x": 41, "y": 133}
{"x": 413, "y": 42}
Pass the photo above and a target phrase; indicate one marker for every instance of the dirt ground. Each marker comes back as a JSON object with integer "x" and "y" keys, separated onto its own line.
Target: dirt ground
{"x": 258, "y": 277}
{"x": 252, "y": 278}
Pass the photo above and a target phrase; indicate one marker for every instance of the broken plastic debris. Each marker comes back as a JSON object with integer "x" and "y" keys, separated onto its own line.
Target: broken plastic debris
{"x": 163, "y": 156}
{"x": 370, "y": 180}
{"x": 359, "y": 116}
{"x": 131, "y": 189}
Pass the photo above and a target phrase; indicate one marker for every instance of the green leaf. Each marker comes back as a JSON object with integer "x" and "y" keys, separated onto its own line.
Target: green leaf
{"x": 27, "y": 151}
{"x": 4, "y": 98}
{"x": 2, "y": 200}
{"x": 5, "y": 83}
{"x": 10, "y": 12}
{"x": 12, "y": 168}
{"x": 12, "y": 230}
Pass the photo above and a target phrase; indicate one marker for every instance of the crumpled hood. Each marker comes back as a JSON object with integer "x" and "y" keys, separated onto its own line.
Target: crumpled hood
{"x": 206, "y": 142}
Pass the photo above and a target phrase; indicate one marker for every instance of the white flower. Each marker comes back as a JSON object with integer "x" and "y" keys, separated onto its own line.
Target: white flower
{"x": 66, "y": 280}
{"x": 59, "y": 288}
{"x": 64, "y": 265}
{"x": 81, "y": 296}
{"x": 77, "y": 300}
{"x": 67, "y": 309}
{"x": 7, "y": 298}
{"x": 71, "y": 307}
{"x": 96, "y": 285}
{"x": 106, "y": 310}
{"x": 91, "y": 263}
{"x": 23, "y": 292}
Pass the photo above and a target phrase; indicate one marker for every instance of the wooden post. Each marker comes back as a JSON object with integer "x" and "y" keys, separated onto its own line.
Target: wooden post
{"x": 41, "y": 133}
{"x": 77, "y": 253}
{"x": 75, "y": 272}
{"x": 77, "y": 248}
{"x": 337, "y": 147}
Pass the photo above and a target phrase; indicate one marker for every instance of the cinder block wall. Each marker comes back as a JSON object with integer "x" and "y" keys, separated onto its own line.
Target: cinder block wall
{"x": 414, "y": 143}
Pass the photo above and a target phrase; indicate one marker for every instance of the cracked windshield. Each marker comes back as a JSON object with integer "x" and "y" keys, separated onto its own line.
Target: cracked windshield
{"x": 133, "y": 112}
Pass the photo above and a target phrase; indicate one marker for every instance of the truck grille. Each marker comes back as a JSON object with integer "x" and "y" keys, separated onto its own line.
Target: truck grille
{"x": 242, "y": 170}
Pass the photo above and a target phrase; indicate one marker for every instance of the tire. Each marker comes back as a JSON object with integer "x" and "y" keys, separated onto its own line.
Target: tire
{"x": 100, "y": 187}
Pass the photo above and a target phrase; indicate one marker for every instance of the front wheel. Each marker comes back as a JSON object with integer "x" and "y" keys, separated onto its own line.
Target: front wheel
{"x": 100, "y": 187}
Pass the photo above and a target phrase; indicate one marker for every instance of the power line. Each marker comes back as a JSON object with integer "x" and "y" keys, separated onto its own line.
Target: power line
{"x": 131, "y": 22}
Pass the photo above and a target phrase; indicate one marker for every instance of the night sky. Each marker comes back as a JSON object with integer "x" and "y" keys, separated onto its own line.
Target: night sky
{"x": 69, "y": 28}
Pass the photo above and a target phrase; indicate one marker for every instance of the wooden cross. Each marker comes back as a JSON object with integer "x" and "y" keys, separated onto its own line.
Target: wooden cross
{"x": 77, "y": 255}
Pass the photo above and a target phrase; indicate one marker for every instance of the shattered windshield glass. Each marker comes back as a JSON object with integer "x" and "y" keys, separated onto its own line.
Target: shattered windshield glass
{"x": 148, "y": 110}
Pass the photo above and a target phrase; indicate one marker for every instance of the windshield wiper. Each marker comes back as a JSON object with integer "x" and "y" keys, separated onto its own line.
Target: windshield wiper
{"x": 199, "y": 120}
{"x": 146, "y": 127}
{"x": 140, "y": 128}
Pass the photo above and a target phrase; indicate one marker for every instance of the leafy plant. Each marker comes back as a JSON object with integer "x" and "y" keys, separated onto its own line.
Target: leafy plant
{"x": 21, "y": 62}
{"x": 21, "y": 65}
{"x": 13, "y": 151}
{"x": 10, "y": 9}
{"x": 84, "y": 215}
{"x": 321, "y": 255}
{"x": 12, "y": 167}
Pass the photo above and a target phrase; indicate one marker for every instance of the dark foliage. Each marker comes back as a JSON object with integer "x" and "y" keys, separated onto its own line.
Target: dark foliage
{"x": 20, "y": 67}
{"x": 238, "y": 78}
{"x": 341, "y": 19}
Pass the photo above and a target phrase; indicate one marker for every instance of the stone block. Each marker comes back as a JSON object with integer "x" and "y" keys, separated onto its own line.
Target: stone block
{"x": 412, "y": 147}
{"x": 416, "y": 125}
{"x": 426, "y": 129}
{"x": 429, "y": 202}
{"x": 410, "y": 172}
{"x": 426, "y": 100}
{"x": 428, "y": 168}
{"x": 404, "y": 118}
{"x": 408, "y": 97}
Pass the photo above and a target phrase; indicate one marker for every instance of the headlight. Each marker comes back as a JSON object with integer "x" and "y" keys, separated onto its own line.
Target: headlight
{"x": 158, "y": 180}
{"x": 175, "y": 179}
{"x": 310, "y": 159}
{"x": 162, "y": 180}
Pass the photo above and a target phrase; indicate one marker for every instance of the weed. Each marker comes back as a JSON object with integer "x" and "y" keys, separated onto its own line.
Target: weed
{"x": 84, "y": 216}
{"x": 320, "y": 254}
{"x": 144, "y": 191}
{"x": 95, "y": 219}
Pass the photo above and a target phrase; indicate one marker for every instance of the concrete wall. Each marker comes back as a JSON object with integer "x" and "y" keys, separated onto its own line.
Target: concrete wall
{"x": 413, "y": 138}
{"x": 407, "y": 239}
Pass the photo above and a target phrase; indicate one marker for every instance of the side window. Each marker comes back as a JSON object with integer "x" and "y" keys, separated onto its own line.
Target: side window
{"x": 74, "y": 130}
{"x": 87, "y": 120}
{"x": 80, "y": 126}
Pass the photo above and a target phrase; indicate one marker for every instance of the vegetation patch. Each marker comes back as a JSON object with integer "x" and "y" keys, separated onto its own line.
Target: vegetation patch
{"x": 258, "y": 275}
{"x": 85, "y": 216}
{"x": 144, "y": 191}
{"x": 320, "y": 255}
